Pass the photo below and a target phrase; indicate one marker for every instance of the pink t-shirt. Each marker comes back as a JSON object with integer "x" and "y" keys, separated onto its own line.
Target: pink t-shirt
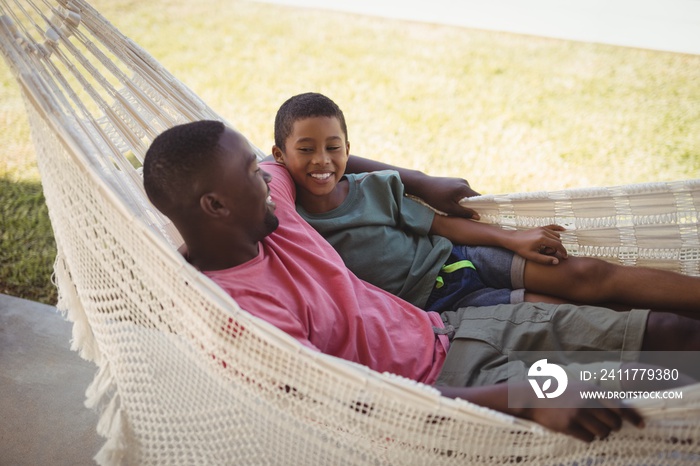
{"x": 300, "y": 284}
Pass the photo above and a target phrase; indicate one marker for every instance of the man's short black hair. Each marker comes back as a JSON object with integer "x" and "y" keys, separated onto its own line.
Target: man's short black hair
{"x": 176, "y": 157}
{"x": 302, "y": 106}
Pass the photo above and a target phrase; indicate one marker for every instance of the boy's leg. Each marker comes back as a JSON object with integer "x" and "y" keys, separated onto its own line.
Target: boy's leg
{"x": 543, "y": 298}
{"x": 597, "y": 282}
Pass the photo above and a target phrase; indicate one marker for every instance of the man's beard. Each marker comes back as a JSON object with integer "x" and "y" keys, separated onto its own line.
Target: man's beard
{"x": 271, "y": 222}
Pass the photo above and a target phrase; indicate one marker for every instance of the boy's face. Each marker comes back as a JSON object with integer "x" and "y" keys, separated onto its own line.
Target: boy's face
{"x": 315, "y": 154}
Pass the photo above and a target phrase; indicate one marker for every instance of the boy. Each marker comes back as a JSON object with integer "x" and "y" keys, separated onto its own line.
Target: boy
{"x": 402, "y": 247}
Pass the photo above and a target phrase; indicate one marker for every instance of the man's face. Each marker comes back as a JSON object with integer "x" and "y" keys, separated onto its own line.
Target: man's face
{"x": 244, "y": 186}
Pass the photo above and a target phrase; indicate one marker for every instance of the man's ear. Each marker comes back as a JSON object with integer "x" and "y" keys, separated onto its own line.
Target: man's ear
{"x": 277, "y": 154}
{"x": 212, "y": 205}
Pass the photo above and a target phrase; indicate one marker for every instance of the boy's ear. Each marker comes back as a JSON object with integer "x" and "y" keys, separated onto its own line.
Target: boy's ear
{"x": 347, "y": 148}
{"x": 277, "y": 154}
{"x": 212, "y": 205}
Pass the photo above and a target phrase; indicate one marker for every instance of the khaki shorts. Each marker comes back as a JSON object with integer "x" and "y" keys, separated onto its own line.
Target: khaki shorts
{"x": 484, "y": 336}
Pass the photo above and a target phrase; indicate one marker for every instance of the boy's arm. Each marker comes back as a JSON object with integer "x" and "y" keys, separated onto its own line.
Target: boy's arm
{"x": 585, "y": 420}
{"x": 442, "y": 193}
{"x": 542, "y": 245}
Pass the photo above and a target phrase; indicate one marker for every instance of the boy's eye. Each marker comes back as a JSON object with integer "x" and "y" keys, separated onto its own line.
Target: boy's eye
{"x": 305, "y": 149}
{"x": 333, "y": 147}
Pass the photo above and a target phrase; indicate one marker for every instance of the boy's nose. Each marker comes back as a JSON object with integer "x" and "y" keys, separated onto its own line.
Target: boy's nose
{"x": 321, "y": 157}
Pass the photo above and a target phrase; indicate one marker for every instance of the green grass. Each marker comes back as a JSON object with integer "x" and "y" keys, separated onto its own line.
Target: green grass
{"x": 507, "y": 112}
{"x": 27, "y": 247}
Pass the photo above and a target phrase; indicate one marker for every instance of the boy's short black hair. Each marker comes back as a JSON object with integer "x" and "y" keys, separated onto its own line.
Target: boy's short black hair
{"x": 176, "y": 157}
{"x": 299, "y": 107}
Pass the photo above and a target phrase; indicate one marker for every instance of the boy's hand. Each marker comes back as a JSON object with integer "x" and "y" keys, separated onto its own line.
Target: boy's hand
{"x": 541, "y": 245}
{"x": 444, "y": 193}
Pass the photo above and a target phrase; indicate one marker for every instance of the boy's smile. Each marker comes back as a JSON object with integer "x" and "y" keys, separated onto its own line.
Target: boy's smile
{"x": 315, "y": 154}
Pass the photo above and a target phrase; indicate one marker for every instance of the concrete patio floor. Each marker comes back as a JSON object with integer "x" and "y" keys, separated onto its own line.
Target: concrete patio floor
{"x": 43, "y": 420}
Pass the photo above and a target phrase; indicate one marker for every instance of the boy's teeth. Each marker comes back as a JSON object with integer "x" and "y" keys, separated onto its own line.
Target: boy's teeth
{"x": 321, "y": 176}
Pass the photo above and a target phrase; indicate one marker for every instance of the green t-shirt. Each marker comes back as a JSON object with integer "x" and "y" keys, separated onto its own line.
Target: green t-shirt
{"x": 383, "y": 236}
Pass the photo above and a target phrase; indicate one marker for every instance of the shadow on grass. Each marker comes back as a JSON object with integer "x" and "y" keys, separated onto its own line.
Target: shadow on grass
{"x": 27, "y": 246}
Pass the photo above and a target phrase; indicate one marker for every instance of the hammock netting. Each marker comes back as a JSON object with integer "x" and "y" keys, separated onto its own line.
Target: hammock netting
{"x": 186, "y": 376}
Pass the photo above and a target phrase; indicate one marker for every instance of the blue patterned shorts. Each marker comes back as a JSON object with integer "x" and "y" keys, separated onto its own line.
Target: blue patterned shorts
{"x": 495, "y": 278}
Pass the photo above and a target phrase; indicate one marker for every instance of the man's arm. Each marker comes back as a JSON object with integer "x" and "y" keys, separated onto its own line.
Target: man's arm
{"x": 442, "y": 193}
{"x": 595, "y": 419}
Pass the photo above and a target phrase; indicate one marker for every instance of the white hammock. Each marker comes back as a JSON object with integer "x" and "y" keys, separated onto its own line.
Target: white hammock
{"x": 186, "y": 376}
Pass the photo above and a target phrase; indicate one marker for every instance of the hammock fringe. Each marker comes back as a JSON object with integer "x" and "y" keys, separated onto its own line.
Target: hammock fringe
{"x": 112, "y": 426}
{"x": 83, "y": 341}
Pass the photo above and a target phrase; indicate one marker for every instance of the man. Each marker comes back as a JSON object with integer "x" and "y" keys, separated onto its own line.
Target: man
{"x": 241, "y": 229}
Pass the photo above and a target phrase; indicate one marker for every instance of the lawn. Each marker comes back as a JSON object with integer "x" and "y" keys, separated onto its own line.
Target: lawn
{"x": 508, "y": 112}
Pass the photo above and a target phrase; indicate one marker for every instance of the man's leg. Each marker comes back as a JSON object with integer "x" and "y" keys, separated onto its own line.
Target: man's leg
{"x": 666, "y": 331}
{"x": 485, "y": 336}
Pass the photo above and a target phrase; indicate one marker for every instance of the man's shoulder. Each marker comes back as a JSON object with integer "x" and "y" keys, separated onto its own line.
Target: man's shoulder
{"x": 275, "y": 168}
{"x": 281, "y": 183}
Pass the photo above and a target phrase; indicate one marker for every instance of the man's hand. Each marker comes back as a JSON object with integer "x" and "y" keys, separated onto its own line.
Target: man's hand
{"x": 585, "y": 420}
{"x": 444, "y": 193}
